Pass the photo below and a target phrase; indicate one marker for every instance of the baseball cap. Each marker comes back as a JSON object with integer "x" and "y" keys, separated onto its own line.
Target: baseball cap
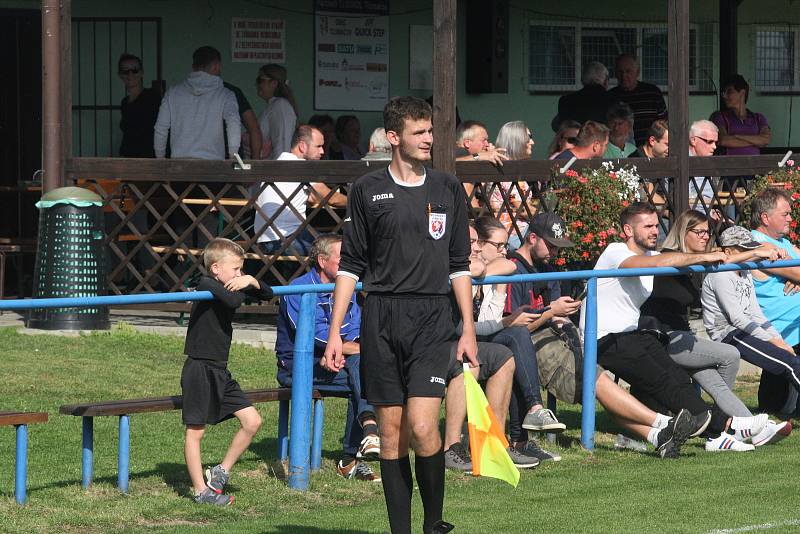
{"x": 736, "y": 236}
{"x": 551, "y": 228}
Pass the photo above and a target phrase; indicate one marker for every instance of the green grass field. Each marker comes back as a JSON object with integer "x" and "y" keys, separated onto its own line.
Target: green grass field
{"x": 608, "y": 491}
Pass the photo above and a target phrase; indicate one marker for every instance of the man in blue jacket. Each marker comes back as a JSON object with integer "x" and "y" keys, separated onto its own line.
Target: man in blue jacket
{"x": 361, "y": 441}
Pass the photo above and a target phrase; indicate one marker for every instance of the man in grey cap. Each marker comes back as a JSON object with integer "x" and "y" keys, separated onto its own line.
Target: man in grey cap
{"x": 731, "y": 314}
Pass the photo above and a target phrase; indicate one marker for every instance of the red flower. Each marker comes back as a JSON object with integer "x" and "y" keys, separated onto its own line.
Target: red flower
{"x": 561, "y": 261}
{"x": 795, "y": 196}
{"x": 611, "y": 231}
{"x": 603, "y": 235}
{"x": 612, "y": 175}
{"x": 787, "y": 186}
{"x": 793, "y": 224}
{"x": 584, "y": 254}
{"x": 601, "y": 244}
{"x": 625, "y": 203}
{"x": 583, "y": 180}
{"x": 571, "y": 173}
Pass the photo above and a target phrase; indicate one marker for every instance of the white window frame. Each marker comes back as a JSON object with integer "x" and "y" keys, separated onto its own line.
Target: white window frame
{"x": 578, "y": 28}
{"x": 795, "y": 87}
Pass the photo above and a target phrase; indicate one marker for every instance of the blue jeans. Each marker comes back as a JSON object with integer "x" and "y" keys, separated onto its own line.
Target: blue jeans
{"x": 526, "y": 391}
{"x": 300, "y": 245}
{"x": 348, "y": 379}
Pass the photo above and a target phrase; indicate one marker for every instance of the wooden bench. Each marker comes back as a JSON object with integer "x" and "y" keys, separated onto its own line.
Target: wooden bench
{"x": 184, "y": 251}
{"x": 124, "y": 408}
{"x": 21, "y": 420}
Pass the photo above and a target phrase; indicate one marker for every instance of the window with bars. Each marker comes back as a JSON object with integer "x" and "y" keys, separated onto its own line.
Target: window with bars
{"x": 776, "y": 59}
{"x": 558, "y": 52}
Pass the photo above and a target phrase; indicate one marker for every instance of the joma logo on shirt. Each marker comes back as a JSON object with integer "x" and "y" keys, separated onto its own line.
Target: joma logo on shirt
{"x": 437, "y": 380}
{"x": 382, "y": 196}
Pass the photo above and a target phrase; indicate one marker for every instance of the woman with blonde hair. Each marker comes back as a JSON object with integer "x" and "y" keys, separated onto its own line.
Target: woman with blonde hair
{"x": 711, "y": 364}
{"x": 279, "y": 118}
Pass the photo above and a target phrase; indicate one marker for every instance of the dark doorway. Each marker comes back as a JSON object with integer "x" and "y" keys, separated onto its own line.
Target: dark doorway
{"x": 20, "y": 98}
{"x": 20, "y": 138}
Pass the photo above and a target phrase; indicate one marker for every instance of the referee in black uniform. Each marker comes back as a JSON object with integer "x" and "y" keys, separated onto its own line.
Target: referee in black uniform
{"x": 406, "y": 237}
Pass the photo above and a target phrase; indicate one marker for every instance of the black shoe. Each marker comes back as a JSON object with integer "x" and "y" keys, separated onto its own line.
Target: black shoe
{"x": 700, "y": 423}
{"x": 671, "y": 438}
{"x": 440, "y": 527}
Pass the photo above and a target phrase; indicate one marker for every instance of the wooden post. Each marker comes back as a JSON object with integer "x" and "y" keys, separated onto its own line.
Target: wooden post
{"x": 678, "y": 69}
{"x": 51, "y": 95}
{"x": 728, "y": 41}
{"x": 444, "y": 84}
{"x": 66, "y": 80}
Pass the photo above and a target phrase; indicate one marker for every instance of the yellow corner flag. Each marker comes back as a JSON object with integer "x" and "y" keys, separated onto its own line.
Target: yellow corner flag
{"x": 487, "y": 441}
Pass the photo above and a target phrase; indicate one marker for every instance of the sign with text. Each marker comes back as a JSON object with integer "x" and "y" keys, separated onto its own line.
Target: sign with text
{"x": 351, "y": 60}
{"x": 258, "y": 40}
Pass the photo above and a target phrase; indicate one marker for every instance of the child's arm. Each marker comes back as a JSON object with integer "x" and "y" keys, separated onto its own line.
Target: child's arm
{"x": 252, "y": 287}
{"x": 230, "y": 299}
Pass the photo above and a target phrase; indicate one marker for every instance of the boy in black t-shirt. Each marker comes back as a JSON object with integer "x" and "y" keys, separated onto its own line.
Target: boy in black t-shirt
{"x": 210, "y": 394}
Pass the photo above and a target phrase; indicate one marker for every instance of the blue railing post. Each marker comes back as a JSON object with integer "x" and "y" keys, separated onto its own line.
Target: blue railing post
{"x": 589, "y": 366}
{"x": 299, "y": 438}
{"x": 316, "y": 437}
{"x": 21, "y": 465}
{"x": 123, "y": 454}
{"x": 87, "y": 461}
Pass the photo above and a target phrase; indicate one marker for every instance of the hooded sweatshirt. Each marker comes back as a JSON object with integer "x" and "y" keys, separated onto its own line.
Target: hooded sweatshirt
{"x": 192, "y": 113}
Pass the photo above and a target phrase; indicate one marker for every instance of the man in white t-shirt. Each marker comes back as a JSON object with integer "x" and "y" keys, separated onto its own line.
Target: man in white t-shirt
{"x": 307, "y": 144}
{"x": 635, "y": 352}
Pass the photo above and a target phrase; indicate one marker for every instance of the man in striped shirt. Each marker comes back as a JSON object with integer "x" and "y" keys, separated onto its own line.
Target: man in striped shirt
{"x": 644, "y": 98}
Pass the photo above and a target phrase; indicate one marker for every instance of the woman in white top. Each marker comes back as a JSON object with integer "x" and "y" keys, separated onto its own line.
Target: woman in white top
{"x": 279, "y": 118}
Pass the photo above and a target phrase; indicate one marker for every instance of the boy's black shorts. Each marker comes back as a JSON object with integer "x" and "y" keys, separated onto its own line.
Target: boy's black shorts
{"x": 405, "y": 347}
{"x": 210, "y": 394}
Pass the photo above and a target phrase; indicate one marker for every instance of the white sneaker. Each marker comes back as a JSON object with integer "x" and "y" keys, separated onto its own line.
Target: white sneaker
{"x": 772, "y": 433}
{"x": 370, "y": 448}
{"x": 747, "y": 427}
{"x": 726, "y": 442}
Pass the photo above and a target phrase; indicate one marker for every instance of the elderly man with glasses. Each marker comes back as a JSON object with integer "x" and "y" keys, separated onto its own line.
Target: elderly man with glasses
{"x": 703, "y": 137}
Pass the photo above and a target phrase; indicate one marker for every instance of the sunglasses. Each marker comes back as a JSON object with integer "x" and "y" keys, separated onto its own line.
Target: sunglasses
{"x": 124, "y": 72}
{"x": 707, "y": 141}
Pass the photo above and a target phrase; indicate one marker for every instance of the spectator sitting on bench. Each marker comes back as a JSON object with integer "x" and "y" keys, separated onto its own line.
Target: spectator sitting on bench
{"x": 307, "y": 144}
{"x": 361, "y": 441}
{"x": 210, "y": 394}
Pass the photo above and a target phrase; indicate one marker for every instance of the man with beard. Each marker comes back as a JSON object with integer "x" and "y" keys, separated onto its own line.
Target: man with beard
{"x": 406, "y": 236}
{"x": 637, "y": 352}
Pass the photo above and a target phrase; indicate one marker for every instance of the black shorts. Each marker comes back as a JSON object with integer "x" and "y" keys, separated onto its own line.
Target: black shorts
{"x": 492, "y": 356}
{"x": 210, "y": 394}
{"x": 405, "y": 347}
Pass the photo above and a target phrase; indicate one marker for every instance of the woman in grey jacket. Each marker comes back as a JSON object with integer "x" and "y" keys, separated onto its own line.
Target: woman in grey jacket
{"x": 731, "y": 313}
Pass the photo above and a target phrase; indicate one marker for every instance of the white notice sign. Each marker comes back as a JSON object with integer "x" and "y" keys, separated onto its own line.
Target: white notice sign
{"x": 258, "y": 40}
{"x": 352, "y": 61}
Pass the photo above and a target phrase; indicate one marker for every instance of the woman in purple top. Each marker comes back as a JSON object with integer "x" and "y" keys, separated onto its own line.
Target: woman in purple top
{"x": 741, "y": 132}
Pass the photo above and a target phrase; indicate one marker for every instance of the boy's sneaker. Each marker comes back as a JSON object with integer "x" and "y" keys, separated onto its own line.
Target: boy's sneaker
{"x": 675, "y": 434}
{"x": 746, "y": 427}
{"x": 531, "y": 448}
{"x": 209, "y": 496}
{"x": 216, "y": 478}
{"x": 370, "y": 449}
{"x": 457, "y": 459}
{"x": 726, "y": 442}
{"x": 522, "y": 461}
{"x": 772, "y": 433}
{"x": 357, "y": 470}
{"x": 543, "y": 420}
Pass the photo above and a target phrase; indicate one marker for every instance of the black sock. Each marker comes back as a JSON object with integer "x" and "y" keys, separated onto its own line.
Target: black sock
{"x": 347, "y": 459}
{"x": 430, "y": 479}
{"x": 397, "y": 486}
{"x": 370, "y": 428}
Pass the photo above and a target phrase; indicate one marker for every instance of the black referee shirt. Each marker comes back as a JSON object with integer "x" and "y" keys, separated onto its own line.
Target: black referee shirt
{"x": 406, "y": 239}
{"x": 209, "y": 334}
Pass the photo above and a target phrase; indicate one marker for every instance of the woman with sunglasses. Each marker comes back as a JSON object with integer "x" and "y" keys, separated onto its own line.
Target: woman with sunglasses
{"x": 279, "y": 118}
{"x": 139, "y": 110}
{"x": 526, "y": 408}
{"x": 711, "y": 364}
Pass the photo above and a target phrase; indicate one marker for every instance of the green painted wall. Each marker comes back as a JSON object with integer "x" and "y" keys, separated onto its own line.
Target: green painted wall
{"x": 188, "y": 24}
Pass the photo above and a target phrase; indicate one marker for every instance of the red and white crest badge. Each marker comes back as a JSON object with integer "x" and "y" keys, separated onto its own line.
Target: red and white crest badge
{"x": 436, "y": 224}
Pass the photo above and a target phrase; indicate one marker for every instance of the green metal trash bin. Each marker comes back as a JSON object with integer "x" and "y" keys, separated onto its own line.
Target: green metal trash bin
{"x": 70, "y": 259}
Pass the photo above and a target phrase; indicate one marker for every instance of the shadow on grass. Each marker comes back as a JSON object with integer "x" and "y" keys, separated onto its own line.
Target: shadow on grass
{"x": 267, "y": 450}
{"x": 295, "y": 529}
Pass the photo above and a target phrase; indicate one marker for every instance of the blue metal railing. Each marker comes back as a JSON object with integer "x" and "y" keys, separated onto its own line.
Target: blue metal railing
{"x": 299, "y": 445}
